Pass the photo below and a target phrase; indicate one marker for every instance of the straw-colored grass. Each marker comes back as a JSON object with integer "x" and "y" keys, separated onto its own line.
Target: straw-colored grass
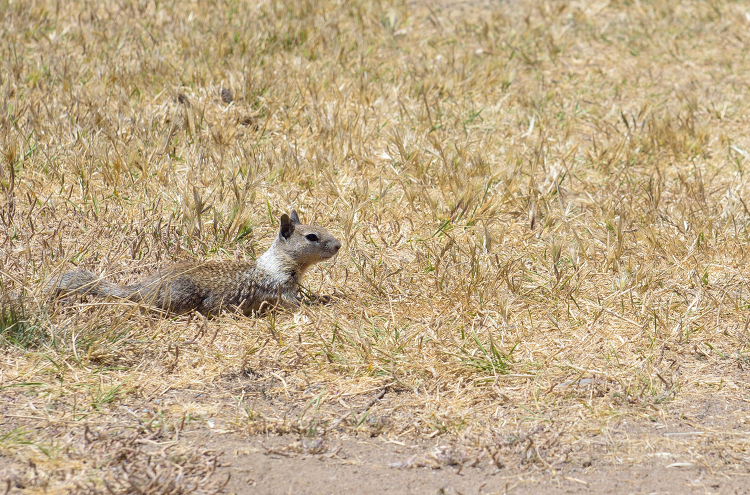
{"x": 542, "y": 207}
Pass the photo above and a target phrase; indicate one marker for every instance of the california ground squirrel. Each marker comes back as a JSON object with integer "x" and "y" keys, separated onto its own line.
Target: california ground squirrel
{"x": 209, "y": 286}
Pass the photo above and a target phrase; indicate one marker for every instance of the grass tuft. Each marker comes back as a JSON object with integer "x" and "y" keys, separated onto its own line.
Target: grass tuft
{"x": 19, "y": 328}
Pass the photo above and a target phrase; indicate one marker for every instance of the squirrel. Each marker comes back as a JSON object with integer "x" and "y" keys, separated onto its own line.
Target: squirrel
{"x": 207, "y": 287}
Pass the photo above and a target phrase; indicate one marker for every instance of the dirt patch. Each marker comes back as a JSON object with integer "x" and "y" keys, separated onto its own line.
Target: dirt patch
{"x": 692, "y": 446}
{"x": 269, "y": 466}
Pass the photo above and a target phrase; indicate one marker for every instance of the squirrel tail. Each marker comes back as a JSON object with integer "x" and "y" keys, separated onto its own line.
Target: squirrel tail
{"x": 84, "y": 282}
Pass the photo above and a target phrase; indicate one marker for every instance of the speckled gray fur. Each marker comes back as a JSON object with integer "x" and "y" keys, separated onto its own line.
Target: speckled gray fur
{"x": 210, "y": 286}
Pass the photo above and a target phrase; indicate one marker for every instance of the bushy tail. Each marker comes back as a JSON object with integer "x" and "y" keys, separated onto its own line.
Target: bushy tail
{"x": 84, "y": 282}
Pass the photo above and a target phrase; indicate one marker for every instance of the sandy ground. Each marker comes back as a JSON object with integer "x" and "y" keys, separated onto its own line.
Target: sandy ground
{"x": 686, "y": 456}
{"x": 366, "y": 467}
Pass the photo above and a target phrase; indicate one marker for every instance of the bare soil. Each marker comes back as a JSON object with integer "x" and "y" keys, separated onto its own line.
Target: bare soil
{"x": 334, "y": 463}
{"x": 362, "y": 466}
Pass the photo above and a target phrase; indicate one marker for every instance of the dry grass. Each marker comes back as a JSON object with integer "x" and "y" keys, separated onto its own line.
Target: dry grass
{"x": 542, "y": 207}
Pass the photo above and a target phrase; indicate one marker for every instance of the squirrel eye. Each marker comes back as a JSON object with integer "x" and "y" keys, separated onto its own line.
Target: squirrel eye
{"x": 311, "y": 237}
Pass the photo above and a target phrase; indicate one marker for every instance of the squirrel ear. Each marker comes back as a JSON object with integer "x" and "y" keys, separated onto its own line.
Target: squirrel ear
{"x": 287, "y": 227}
{"x": 295, "y": 219}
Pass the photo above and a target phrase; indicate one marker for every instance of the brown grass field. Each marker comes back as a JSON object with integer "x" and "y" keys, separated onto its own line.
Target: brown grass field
{"x": 543, "y": 285}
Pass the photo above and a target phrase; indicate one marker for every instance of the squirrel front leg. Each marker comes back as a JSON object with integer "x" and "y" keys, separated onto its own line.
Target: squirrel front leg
{"x": 289, "y": 301}
{"x": 282, "y": 300}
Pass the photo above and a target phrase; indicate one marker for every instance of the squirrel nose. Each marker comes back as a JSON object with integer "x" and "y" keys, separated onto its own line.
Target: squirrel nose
{"x": 336, "y": 246}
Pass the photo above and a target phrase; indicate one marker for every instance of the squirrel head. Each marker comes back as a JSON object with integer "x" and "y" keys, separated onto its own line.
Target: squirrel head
{"x": 301, "y": 246}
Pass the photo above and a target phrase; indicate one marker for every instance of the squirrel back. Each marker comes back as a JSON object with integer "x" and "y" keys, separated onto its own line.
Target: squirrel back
{"x": 210, "y": 286}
